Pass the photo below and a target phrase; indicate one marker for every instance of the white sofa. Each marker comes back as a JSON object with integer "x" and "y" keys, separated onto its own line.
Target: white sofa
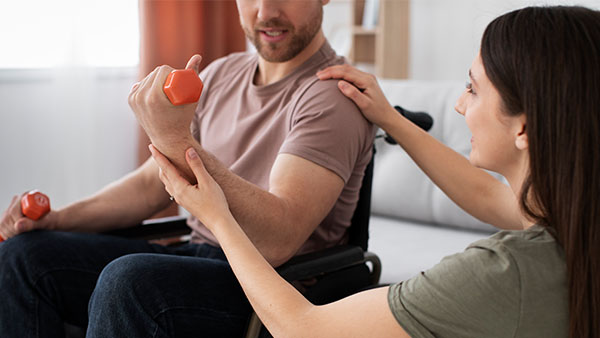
{"x": 413, "y": 223}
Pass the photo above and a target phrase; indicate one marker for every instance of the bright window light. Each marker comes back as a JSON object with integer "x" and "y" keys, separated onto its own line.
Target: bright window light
{"x": 67, "y": 33}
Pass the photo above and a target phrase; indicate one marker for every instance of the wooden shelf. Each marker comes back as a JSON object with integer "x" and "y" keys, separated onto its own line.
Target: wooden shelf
{"x": 387, "y": 45}
{"x": 359, "y": 30}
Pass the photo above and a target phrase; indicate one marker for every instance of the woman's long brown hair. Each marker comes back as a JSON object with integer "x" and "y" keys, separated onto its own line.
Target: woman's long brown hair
{"x": 545, "y": 63}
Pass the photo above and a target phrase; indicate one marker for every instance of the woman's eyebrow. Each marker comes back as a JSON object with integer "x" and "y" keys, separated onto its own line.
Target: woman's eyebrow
{"x": 472, "y": 78}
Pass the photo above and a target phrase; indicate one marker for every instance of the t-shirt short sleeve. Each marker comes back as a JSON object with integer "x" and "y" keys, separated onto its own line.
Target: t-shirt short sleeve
{"x": 471, "y": 294}
{"x": 328, "y": 129}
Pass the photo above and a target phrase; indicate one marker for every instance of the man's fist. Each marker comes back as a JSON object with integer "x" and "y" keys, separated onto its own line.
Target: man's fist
{"x": 183, "y": 86}
{"x": 163, "y": 112}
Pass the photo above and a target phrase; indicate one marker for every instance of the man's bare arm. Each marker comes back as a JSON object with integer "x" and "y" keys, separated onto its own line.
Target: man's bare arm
{"x": 123, "y": 203}
{"x": 280, "y": 220}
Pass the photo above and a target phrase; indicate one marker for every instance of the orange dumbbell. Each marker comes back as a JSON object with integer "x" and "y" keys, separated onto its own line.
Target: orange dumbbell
{"x": 34, "y": 205}
{"x": 183, "y": 86}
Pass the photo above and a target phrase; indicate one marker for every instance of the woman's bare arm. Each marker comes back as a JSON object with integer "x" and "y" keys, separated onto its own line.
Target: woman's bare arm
{"x": 473, "y": 189}
{"x": 284, "y": 311}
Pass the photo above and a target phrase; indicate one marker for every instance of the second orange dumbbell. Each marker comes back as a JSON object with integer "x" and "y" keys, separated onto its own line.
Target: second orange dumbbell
{"x": 183, "y": 86}
{"x": 34, "y": 205}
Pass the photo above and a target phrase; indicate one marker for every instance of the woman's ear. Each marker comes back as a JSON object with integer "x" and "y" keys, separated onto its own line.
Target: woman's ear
{"x": 521, "y": 140}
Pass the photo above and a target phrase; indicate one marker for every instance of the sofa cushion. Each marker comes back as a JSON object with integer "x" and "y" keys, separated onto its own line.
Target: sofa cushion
{"x": 407, "y": 248}
{"x": 400, "y": 189}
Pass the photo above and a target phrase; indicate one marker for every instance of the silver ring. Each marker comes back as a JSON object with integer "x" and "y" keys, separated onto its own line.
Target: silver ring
{"x": 171, "y": 198}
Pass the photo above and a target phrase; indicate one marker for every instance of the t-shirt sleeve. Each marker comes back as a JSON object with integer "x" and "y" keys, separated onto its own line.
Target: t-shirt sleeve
{"x": 328, "y": 129}
{"x": 471, "y": 294}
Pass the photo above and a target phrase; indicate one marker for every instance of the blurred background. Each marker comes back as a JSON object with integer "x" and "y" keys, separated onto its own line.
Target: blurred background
{"x": 66, "y": 67}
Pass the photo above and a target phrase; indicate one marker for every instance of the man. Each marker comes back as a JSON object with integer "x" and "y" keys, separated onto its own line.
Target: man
{"x": 288, "y": 150}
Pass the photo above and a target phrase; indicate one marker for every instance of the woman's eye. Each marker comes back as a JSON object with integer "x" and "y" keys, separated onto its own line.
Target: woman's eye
{"x": 469, "y": 87}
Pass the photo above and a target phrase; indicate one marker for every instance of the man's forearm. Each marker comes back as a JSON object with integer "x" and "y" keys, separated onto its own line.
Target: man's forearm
{"x": 123, "y": 203}
{"x": 260, "y": 213}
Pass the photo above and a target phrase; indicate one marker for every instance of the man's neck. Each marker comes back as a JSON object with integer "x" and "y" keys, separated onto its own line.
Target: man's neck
{"x": 271, "y": 72}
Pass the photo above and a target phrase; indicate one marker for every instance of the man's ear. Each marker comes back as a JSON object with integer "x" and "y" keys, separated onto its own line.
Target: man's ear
{"x": 521, "y": 140}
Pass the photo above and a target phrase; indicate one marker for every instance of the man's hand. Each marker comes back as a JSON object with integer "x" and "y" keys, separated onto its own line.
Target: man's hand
{"x": 13, "y": 222}
{"x": 163, "y": 122}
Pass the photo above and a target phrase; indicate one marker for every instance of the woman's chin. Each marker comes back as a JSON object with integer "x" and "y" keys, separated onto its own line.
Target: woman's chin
{"x": 476, "y": 161}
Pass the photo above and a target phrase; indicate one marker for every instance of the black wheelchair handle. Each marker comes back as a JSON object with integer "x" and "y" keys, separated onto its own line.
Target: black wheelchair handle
{"x": 421, "y": 119}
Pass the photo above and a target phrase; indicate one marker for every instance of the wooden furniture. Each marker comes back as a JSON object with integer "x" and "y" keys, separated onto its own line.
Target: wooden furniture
{"x": 387, "y": 45}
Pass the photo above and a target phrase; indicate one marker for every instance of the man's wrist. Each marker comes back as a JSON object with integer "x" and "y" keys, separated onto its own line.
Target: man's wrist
{"x": 51, "y": 220}
{"x": 166, "y": 144}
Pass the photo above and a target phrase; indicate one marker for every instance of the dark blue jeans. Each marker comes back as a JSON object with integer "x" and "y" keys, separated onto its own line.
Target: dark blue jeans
{"x": 117, "y": 288}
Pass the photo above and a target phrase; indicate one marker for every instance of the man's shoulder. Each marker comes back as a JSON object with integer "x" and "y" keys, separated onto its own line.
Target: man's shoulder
{"x": 313, "y": 87}
{"x": 326, "y": 92}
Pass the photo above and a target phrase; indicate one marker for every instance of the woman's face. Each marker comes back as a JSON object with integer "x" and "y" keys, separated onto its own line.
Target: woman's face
{"x": 494, "y": 143}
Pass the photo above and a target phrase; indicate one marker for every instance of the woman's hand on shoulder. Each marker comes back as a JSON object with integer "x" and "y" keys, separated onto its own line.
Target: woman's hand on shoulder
{"x": 363, "y": 89}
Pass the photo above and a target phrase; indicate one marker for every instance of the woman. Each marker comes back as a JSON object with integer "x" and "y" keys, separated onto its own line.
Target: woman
{"x": 532, "y": 107}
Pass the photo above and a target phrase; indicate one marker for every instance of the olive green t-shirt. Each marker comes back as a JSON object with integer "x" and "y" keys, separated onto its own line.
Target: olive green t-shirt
{"x": 512, "y": 284}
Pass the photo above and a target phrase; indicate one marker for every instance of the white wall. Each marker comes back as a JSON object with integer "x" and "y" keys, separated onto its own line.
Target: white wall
{"x": 66, "y": 132}
{"x": 445, "y": 34}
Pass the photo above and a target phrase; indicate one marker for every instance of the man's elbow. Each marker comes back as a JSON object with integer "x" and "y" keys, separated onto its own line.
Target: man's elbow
{"x": 278, "y": 254}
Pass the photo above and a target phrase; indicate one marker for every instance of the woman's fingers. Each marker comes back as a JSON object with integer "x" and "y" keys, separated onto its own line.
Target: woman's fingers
{"x": 353, "y": 93}
{"x": 197, "y": 166}
{"x": 168, "y": 174}
{"x": 346, "y": 72}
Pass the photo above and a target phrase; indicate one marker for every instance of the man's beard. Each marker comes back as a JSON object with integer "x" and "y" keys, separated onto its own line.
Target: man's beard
{"x": 281, "y": 52}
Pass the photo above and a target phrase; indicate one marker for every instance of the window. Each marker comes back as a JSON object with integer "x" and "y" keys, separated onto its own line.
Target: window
{"x": 67, "y": 33}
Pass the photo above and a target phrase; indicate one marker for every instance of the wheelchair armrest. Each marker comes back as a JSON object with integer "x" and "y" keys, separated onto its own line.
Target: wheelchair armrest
{"x": 155, "y": 229}
{"x": 320, "y": 262}
{"x": 298, "y": 268}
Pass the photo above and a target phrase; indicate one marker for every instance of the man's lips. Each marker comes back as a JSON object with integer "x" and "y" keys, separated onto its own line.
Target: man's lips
{"x": 273, "y": 35}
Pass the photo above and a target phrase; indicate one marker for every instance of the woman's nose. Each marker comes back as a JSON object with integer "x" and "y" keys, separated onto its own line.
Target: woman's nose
{"x": 460, "y": 104}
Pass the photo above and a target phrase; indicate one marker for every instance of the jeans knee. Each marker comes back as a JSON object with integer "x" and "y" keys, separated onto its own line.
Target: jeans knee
{"x": 26, "y": 251}
{"x": 122, "y": 278}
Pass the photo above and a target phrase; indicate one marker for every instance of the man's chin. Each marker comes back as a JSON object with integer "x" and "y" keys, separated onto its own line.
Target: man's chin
{"x": 281, "y": 53}
{"x": 275, "y": 57}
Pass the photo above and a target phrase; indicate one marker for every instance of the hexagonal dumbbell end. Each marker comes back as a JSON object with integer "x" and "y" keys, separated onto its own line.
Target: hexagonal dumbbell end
{"x": 34, "y": 205}
{"x": 183, "y": 86}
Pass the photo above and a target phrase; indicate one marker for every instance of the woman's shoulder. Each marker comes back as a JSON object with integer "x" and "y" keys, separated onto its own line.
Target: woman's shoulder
{"x": 508, "y": 282}
{"x": 534, "y": 246}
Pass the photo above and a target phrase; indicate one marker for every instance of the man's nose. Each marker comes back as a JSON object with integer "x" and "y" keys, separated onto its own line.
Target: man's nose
{"x": 268, "y": 9}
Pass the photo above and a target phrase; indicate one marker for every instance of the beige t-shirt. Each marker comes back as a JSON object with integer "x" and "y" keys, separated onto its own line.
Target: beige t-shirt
{"x": 246, "y": 126}
{"x": 513, "y": 284}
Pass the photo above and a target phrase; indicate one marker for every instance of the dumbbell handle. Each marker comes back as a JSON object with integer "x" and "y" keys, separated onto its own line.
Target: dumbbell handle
{"x": 34, "y": 205}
